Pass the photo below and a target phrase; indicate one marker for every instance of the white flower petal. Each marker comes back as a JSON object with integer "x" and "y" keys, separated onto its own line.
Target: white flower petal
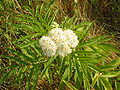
{"x": 48, "y": 46}
{"x": 72, "y": 38}
{"x": 57, "y": 35}
{"x": 64, "y": 50}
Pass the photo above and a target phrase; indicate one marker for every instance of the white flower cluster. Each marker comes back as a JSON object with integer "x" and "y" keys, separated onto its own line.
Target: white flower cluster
{"x": 58, "y": 41}
{"x": 48, "y": 46}
{"x": 72, "y": 38}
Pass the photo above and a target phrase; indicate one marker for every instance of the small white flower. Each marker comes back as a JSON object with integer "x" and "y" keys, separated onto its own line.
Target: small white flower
{"x": 58, "y": 36}
{"x": 64, "y": 50}
{"x": 72, "y": 38}
{"x": 48, "y": 46}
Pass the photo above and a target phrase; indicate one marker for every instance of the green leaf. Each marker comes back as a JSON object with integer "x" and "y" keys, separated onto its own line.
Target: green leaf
{"x": 83, "y": 52}
{"x": 51, "y": 3}
{"x": 30, "y": 53}
{"x": 77, "y": 81}
{"x": 78, "y": 75}
{"x": 48, "y": 64}
{"x": 93, "y": 67}
{"x": 51, "y": 20}
{"x": 21, "y": 74}
{"x": 24, "y": 16}
{"x": 27, "y": 37}
{"x": 62, "y": 66}
{"x": 95, "y": 78}
{"x": 9, "y": 67}
{"x": 35, "y": 77}
{"x": 86, "y": 82}
{"x": 18, "y": 74}
{"x": 48, "y": 73}
{"x": 39, "y": 26}
{"x": 29, "y": 78}
{"x": 7, "y": 75}
{"x": 28, "y": 44}
{"x": 86, "y": 30}
{"x": 47, "y": 14}
{"x": 111, "y": 74}
{"x": 41, "y": 9}
{"x": 69, "y": 68}
{"x": 117, "y": 85}
{"x": 69, "y": 85}
{"x": 88, "y": 60}
{"x": 24, "y": 26}
{"x": 21, "y": 54}
{"x": 15, "y": 59}
{"x": 82, "y": 24}
{"x": 95, "y": 48}
{"x": 113, "y": 64}
{"x": 23, "y": 38}
{"x": 30, "y": 10}
{"x": 110, "y": 47}
{"x": 64, "y": 77}
{"x": 106, "y": 84}
{"x": 95, "y": 40}
{"x": 24, "y": 19}
{"x": 78, "y": 70}
{"x": 37, "y": 10}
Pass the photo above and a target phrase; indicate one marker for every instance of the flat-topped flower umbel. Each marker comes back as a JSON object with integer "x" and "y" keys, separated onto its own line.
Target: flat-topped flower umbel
{"x": 58, "y": 42}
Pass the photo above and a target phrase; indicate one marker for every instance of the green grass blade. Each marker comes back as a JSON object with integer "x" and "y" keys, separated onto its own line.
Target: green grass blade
{"x": 37, "y": 10}
{"x": 29, "y": 78}
{"x": 15, "y": 59}
{"x": 7, "y": 75}
{"x": 106, "y": 84}
{"x": 47, "y": 14}
{"x": 69, "y": 85}
{"x": 28, "y": 44}
{"x": 95, "y": 68}
{"x": 23, "y": 19}
{"x": 89, "y": 59}
{"x": 86, "y": 30}
{"x": 69, "y": 68}
{"x": 64, "y": 77}
{"x": 48, "y": 64}
{"x": 111, "y": 74}
{"x": 35, "y": 77}
{"x": 26, "y": 16}
{"x": 95, "y": 40}
{"x": 24, "y": 27}
{"x": 9, "y": 67}
{"x": 113, "y": 64}
{"x": 20, "y": 73}
{"x": 27, "y": 37}
{"x": 83, "y": 52}
{"x": 117, "y": 85}
{"x": 110, "y": 47}
{"x": 62, "y": 67}
{"x": 95, "y": 78}
{"x": 30, "y": 10}
{"x": 21, "y": 54}
{"x": 77, "y": 69}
